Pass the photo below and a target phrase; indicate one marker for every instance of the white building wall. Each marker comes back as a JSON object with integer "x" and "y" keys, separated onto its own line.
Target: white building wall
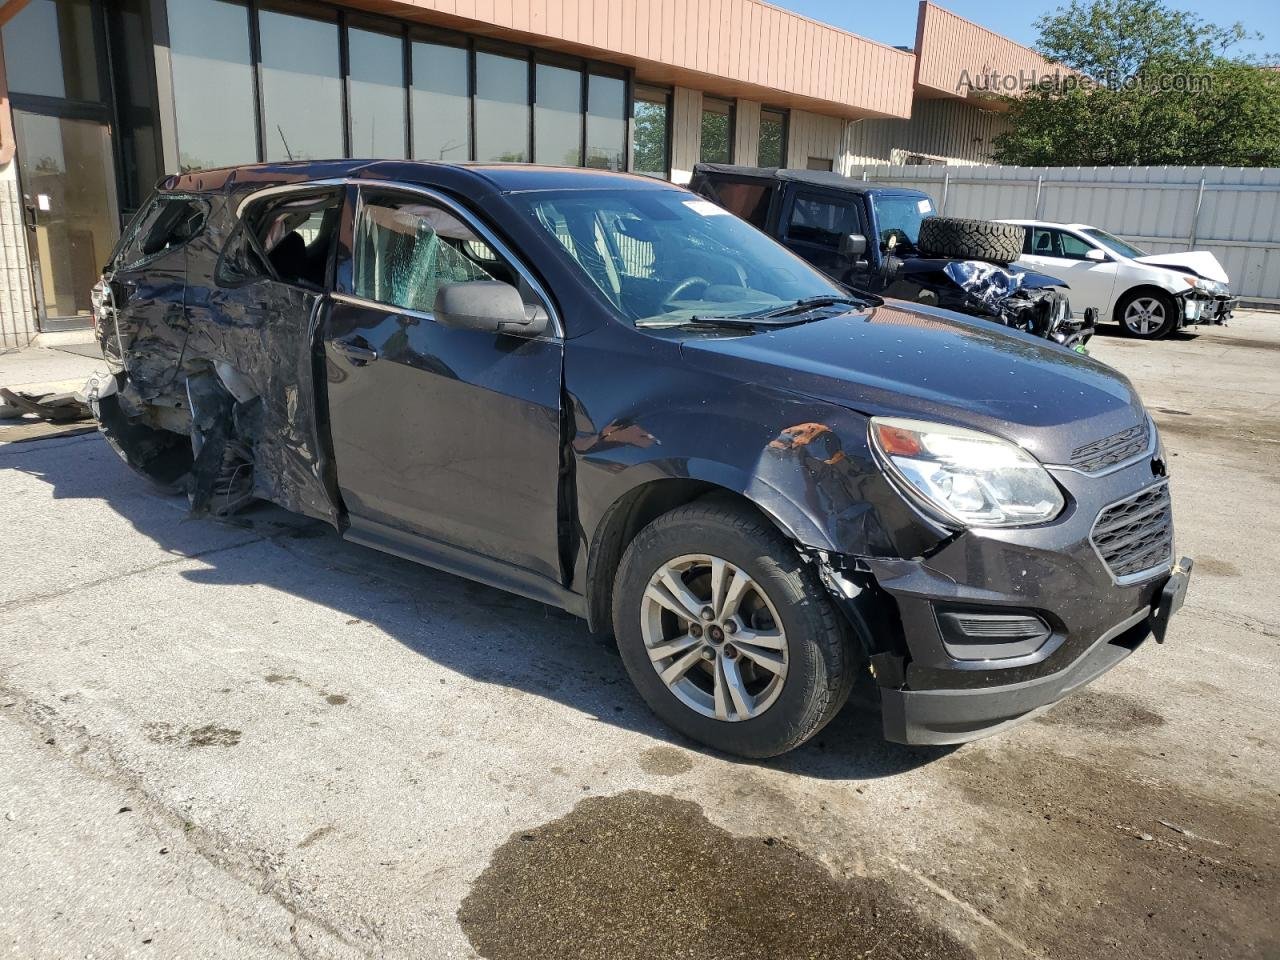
{"x": 746, "y": 138}
{"x": 17, "y": 312}
{"x": 686, "y": 132}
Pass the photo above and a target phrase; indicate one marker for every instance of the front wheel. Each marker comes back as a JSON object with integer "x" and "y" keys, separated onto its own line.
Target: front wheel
{"x": 1147, "y": 314}
{"x": 727, "y": 634}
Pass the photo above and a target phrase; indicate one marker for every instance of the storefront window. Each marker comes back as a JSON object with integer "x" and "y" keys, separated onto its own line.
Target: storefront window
{"x": 650, "y": 115}
{"x": 502, "y": 108}
{"x": 441, "y": 108}
{"x": 376, "y": 93}
{"x": 301, "y": 87}
{"x": 212, "y": 83}
{"x": 717, "y": 131}
{"x": 606, "y": 122}
{"x": 49, "y": 50}
{"x": 773, "y": 142}
{"x": 557, "y": 116}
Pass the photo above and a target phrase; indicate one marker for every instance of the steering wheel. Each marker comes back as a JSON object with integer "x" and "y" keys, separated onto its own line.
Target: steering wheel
{"x": 683, "y": 286}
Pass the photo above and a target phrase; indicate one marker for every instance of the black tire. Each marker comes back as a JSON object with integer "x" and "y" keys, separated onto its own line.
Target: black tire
{"x": 1144, "y": 326}
{"x": 971, "y": 239}
{"x": 821, "y": 659}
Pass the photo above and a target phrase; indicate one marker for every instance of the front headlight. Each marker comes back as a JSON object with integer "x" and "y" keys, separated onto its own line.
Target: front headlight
{"x": 972, "y": 478}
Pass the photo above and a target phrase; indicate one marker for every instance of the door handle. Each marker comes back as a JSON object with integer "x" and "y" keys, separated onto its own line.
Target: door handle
{"x": 356, "y": 349}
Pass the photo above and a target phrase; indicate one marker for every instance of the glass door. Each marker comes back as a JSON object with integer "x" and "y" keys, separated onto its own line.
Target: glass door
{"x": 68, "y": 182}
{"x": 62, "y": 112}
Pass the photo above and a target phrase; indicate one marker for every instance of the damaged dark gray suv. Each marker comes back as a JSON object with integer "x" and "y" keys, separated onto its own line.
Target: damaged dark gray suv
{"x": 610, "y": 395}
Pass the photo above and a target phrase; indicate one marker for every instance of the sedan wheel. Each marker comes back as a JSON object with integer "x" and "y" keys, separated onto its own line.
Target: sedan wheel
{"x": 714, "y": 637}
{"x": 727, "y": 633}
{"x": 1148, "y": 316}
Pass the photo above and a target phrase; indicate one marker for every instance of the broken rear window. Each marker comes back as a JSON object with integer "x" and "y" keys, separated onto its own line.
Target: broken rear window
{"x": 169, "y": 222}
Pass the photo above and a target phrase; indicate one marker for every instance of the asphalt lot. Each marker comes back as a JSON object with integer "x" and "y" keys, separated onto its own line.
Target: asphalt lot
{"x": 254, "y": 740}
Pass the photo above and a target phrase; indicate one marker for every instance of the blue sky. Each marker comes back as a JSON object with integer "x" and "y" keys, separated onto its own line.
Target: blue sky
{"x": 894, "y": 21}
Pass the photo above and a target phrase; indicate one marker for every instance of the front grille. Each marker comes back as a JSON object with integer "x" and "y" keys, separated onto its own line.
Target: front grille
{"x": 1111, "y": 450}
{"x": 1136, "y": 535}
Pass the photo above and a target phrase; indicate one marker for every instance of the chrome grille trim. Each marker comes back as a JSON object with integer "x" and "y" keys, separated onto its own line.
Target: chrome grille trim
{"x": 1107, "y": 452}
{"x": 1133, "y": 537}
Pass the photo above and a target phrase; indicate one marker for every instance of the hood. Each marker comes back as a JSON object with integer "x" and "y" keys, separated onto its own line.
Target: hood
{"x": 904, "y": 360}
{"x": 1200, "y": 262}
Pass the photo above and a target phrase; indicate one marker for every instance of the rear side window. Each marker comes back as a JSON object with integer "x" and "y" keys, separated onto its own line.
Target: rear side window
{"x": 745, "y": 199}
{"x": 819, "y": 221}
{"x": 408, "y": 248}
{"x": 287, "y": 238}
{"x": 168, "y": 222}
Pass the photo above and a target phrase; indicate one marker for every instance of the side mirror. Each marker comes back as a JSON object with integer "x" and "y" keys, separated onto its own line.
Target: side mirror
{"x": 853, "y": 245}
{"x": 489, "y": 306}
{"x": 1096, "y": 255}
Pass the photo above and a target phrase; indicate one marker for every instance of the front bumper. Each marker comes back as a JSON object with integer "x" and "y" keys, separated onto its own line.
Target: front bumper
{"x": 944, "y": 687}
{"x": 958, "y": 715}
{"x": 1205, "y": 308}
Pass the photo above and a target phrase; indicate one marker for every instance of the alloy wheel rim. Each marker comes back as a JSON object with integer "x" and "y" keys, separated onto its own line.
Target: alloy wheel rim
{"x": 1145, "y": 315}
{"x": 714, "y": 637}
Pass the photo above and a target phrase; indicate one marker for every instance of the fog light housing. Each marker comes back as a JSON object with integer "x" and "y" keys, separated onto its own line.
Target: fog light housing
{"x": 971, "y": 634}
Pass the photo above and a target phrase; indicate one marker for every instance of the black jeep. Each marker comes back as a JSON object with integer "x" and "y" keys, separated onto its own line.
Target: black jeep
{"x": 912, "y": 254}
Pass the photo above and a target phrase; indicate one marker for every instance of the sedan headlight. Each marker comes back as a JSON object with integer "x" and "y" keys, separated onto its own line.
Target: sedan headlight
{"x": 972, "y": 478}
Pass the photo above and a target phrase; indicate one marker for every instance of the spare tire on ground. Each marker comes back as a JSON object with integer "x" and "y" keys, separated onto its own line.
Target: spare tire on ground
{"x": 970, "y": 239}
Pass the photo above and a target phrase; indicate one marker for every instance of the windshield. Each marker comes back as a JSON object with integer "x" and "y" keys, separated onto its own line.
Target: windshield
{"x": 1115, "y": 244}
{"x": 901, "y": 216}
{"x": 670, "y": 257}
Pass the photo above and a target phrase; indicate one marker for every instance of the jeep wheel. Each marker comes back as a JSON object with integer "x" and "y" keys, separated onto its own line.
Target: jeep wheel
{"x": 727, "y": 634}
{"x": 971, "y": 239}
{"x": 1147, "y": 314}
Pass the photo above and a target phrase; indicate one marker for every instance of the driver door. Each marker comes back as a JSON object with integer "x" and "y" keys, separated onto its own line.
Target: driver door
{"x": 1060, "y": 254}
{"x": 446, "y": 441}
{"x": 814, "y": 224}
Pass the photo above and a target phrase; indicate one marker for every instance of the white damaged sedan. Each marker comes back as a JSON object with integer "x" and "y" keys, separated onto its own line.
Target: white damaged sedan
{"x": 1149, "y": 295}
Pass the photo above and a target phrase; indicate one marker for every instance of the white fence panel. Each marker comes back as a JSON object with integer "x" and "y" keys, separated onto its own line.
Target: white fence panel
{"x": 1234, "y": 212}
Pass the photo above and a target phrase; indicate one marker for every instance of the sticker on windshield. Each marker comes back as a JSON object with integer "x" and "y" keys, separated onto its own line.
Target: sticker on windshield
{"x": 706, "y": 208}
{"x": 924, "y": 206}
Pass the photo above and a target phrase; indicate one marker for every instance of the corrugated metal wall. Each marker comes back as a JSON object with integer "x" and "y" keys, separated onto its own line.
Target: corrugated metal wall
{"x": 952, "y": 130}
{"x": 1234, "y": 212}
{"x": 816, "y": 136}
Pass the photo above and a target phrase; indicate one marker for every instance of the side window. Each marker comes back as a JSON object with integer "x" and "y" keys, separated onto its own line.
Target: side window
{"x": 1043, "y": 242}
{"x": 1073, "y": 248}
{"x": 168, "y": 222}
{"x": 818, "y": 221}
{"x": 408, "y": 248}
{"x": 750, "y": 201}
{"x": 286, "y": 238}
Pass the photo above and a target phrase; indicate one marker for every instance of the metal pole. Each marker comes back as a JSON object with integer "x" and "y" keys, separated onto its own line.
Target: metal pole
{"x": 1039, "y": 188}
{"x": 1195, "y": 218}
{"x": 946, "y": 187}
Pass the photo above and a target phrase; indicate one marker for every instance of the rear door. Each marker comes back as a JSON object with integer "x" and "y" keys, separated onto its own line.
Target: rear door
{"x": 441, "y": 436}
{"x": 1062, "y": 254}
{"x": 260, "y": 292}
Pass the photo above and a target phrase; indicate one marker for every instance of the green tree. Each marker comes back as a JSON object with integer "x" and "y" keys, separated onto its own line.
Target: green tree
{"x": 1160, "y": 86}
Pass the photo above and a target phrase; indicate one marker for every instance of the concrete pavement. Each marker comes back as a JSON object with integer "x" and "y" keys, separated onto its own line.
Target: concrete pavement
{"x": 337, "y": 750}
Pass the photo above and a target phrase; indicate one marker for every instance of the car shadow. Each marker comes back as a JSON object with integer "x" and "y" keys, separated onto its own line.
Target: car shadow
{"x": 1112, "y": 331}
{"x": 479, "y": 632}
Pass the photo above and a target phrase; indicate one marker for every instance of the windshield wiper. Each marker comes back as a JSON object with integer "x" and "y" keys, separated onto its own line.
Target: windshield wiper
{"x": 732, "y": 323}
{"x": 805, "y": 304}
